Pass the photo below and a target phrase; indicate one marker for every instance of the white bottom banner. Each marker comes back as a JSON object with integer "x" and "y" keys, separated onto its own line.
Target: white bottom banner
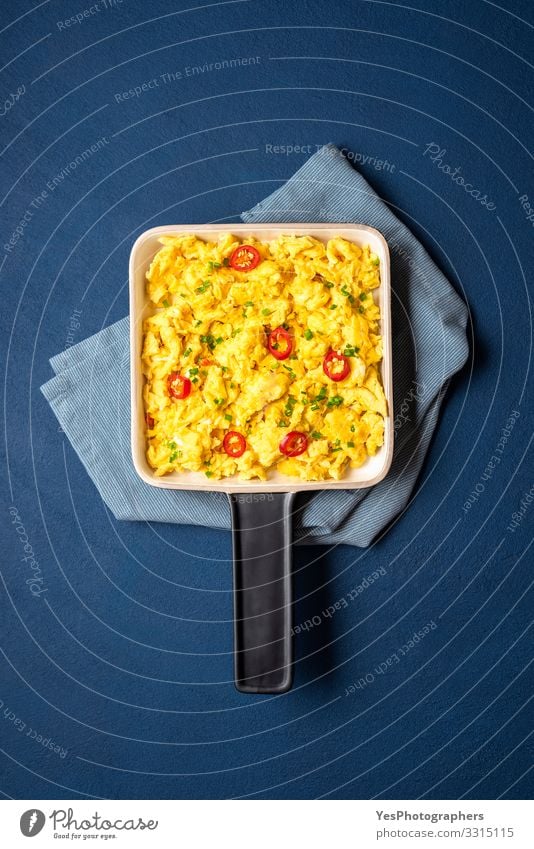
{"x": 256, "y": 824}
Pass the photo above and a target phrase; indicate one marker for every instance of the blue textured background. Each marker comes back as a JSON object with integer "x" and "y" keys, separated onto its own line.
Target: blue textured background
{"x": 125, "y": 661}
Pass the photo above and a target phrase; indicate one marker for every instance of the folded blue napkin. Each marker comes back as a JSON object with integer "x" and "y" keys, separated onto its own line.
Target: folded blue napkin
{"x": 90, "y": 393}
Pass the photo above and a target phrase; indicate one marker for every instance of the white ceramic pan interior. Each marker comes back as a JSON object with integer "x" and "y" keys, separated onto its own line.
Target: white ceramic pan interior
{"x": 143, "y": 251}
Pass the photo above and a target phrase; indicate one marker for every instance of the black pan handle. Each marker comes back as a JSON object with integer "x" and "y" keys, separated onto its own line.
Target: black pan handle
{"x": 263, "y": 592}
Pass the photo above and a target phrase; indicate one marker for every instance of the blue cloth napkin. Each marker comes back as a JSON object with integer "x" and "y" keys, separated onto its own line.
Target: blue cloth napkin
{"x": 90, "y": 393}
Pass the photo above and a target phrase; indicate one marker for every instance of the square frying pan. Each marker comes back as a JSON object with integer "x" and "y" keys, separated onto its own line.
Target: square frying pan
{"x": 261, "y": 510}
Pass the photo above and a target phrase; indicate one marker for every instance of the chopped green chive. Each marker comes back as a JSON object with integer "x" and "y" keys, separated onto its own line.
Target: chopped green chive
{"x": 282, "y": 423}
{"x": 226, "y": 262}
{"x": 266, "y": 312}
{"x": 208, "y": 340}
{"x": 363, "y": 296}
{"x": 361, "y": 309}
{"x": 165, "y": 303}
{"x": 353, "y": 428}
{"x": 348, "y": 295}
{"x": 209, "y": 474}
{"x": 290, "y": 370}
{"x": 249, "y": 303}
{"x": 228, "y": 417}
{"x": 203, "y": 287}
{"x": 350, "y": 444}
{"x": 333, "y": 306}
{"x": 317, "y": 435}
{"x": 187, "y": 352}
{"x": 335, "y": 401}
{"x": 308, "y": 334}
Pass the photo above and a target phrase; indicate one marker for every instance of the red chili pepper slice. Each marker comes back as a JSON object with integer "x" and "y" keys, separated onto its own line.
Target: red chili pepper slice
{"x": 178, "y": 386}
{"x": 234, "y": 443}
{"x": 280, "y": 343}
{"x": 336, "y": 366}
{"x": 245, "y": 258}
{"x": 294, "y": 443}
{"x": 149, "y": 421}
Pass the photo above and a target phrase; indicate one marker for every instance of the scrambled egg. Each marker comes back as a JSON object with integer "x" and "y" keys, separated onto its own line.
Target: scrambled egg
{"x": 211, "y": 325}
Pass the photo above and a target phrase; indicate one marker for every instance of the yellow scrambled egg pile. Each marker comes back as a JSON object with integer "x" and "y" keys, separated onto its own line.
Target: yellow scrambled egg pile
{"x": 212, "y": 325}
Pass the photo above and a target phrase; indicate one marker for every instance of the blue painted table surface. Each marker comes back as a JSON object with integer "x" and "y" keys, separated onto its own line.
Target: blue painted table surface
{"x": 117, "y": 667}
